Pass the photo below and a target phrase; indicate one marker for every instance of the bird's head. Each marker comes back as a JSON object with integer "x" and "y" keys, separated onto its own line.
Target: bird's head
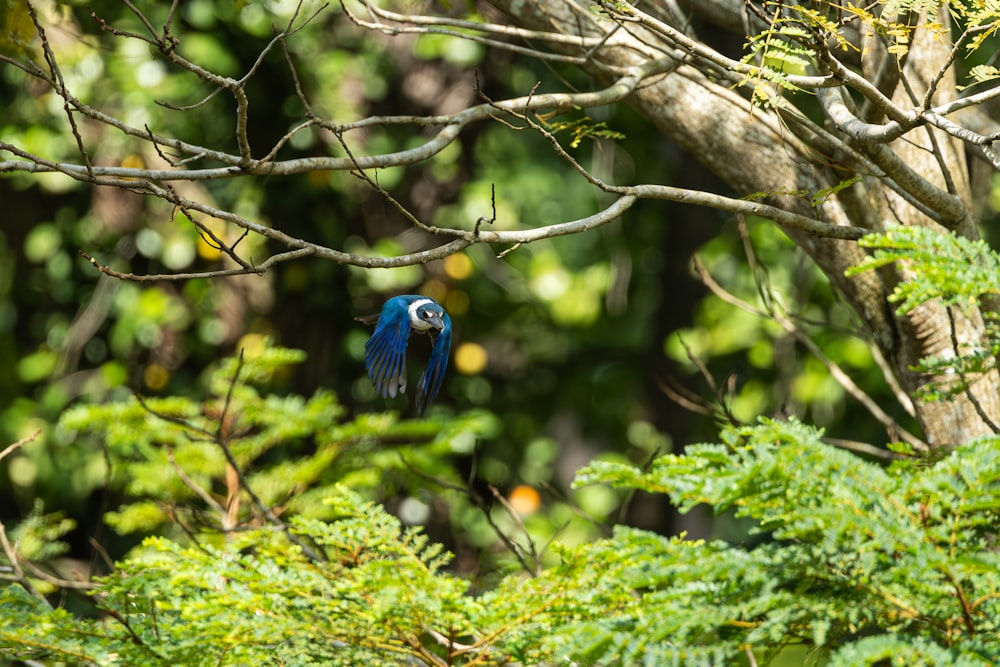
{"x": 427, "y": 315}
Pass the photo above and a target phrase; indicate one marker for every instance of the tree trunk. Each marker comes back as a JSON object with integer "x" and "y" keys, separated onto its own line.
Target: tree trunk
{"x": 757, "y": 150}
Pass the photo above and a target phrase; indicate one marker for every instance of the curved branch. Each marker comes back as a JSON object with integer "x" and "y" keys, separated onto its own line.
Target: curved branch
{"x": 452, "y": 127}
{"x": 835, "y": 103}
{"x": 934, "y": 202}
{"x": 490, "y": 28}
{"x": 622, "y": 12}
{"x": 786, "y": 322}
{"x": 301, "y": 248}
{"x": 424, "y": 25}
{"x": 859, "y": 83}
{"x": 448, "y": 129}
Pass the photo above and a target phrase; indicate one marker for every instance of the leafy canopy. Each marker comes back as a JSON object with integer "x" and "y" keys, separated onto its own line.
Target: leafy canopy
{"x": 854, "y": 562}
{"x": 861, "y": 562}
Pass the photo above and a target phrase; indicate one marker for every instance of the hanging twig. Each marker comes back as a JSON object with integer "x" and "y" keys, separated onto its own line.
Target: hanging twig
{"x": 893, "y": 428}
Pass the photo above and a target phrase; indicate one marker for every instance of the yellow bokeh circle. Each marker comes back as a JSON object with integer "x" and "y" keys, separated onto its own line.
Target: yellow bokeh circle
{"x": 471, "y": 358}
{"x": 458, "y": 266}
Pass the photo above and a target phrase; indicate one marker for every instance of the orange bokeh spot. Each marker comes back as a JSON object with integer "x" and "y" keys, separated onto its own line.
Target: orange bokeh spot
{"x": 525, "y": 500}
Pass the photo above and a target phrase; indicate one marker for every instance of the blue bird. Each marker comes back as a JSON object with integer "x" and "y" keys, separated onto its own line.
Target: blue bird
{"x": 385, "y": 351}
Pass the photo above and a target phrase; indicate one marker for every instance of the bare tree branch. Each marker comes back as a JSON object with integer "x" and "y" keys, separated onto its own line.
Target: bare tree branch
{"x": 893, "y": 428}
{"x": 430, "y": 25}
{"x": 151, "y": 181}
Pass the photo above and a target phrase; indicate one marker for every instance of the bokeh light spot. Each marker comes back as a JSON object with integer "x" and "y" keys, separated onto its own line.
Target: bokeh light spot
{"x": 155, "y": 377}
{"x": 252, "y": 345}
{"x": 525, "y": 500}
{"x": 471, "y": 358}
{"x": 458, "y": 267}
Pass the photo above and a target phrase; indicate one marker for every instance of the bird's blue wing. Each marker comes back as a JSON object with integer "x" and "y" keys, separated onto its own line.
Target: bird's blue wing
{"x": 433, "y": 376}
{"x": 385, "y": 351}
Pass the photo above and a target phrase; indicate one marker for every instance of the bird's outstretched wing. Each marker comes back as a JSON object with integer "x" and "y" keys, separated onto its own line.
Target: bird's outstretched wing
{"x": 433, "y": 375}
{"x": 385, "y": 354}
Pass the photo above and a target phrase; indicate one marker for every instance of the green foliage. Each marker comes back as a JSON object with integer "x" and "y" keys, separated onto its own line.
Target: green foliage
{"x": 815, "y": 199}
{"x": 950, "y": 270}
{"x": 860, "y": 563}
{"x": 939, "y": 265}
{"x": 747, "y": 345}
{"x": 787, "y": 45}
{"x": 584, "y": 128}
{"x": 16, "y": 29}
{"x": 70, "y": 336}
{"x": 39, "y": 538}
{"x": 983, "y": 73}
{"x": 778, "y": 52}
{"x": 257, "y": 600}
{"x": 176, "y": 457}
{"x": 784, "y": 48}
{"x": 855, "y": 551}
{"x": 39, "y": 535}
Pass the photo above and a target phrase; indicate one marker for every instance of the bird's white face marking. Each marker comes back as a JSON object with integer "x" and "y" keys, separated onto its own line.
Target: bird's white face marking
{"x": 415, "y": 321}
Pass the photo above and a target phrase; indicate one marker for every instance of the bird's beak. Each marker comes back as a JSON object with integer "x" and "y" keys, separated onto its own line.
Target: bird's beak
{"x": 436, "y": 322}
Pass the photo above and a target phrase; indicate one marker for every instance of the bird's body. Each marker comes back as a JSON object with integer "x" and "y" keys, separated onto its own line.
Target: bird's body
{"x": 385, "y": 351}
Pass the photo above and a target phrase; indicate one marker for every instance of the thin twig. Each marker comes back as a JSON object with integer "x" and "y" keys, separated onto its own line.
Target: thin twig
{"x": 14, "y": 446}
{"x": 864, "y": 448}
{"x": 493, "y": 207}
{"x": 967, "y": 613}
{"x": 194, "y": 486}
{"x": 686, "y": 398}
{"x": 215, "y": 241}
{"x": 60, "y": 86}
{"x": 14, "y": 558}
{"x": 485, "y": 508}
{"x": 266, "y": 511}
{"x": 718, "y": 391}
{"x": 966, "y": 385}
{"x": 893, "y": 428}
{"x": 223, "y": 444}
{"x": 532, "y": 552}
{"x": 375, "y": 185}
{"x": 258, "y": 269}
{"x": 471, "y": 36}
